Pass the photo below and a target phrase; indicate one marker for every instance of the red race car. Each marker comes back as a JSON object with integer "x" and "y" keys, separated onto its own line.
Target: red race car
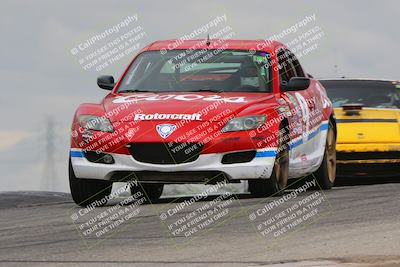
{"x": 203, "y": 111}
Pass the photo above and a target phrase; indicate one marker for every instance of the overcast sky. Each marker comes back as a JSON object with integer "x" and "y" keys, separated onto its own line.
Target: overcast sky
{"x": 40, "y": 77}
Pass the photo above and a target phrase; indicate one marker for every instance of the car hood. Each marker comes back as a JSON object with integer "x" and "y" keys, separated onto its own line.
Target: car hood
{"x": 210, "y": 106}
{"x": 372, "y": 125}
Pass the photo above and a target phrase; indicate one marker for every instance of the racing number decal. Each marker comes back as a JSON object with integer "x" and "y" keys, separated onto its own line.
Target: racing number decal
{"x": 305, "y": 115}
{"x": 181, "y": 97}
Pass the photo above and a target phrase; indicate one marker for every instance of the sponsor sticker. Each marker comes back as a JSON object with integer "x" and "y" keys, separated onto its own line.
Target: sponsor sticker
{"x": 167, "y": 116}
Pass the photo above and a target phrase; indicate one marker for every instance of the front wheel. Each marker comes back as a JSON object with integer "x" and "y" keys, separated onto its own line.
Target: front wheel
{"x": 87, "y": 191}
{"x": 326, "y": 173}
{"x": 276, "y": 184}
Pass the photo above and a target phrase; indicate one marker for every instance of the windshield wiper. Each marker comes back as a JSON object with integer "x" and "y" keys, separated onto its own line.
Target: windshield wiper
{"x": 207, "y": 90}
{"x": 134, "y": 91}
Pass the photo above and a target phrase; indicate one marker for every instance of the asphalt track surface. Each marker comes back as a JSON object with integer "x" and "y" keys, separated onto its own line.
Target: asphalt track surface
{"x": 356, "y": 225}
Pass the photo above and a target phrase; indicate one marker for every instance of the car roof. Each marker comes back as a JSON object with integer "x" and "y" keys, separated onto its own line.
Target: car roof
{"x": 177, "y": 44}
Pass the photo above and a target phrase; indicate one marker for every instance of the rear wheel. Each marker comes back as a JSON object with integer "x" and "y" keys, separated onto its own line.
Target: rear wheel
{"x": 276, "y": 184}
{"x": 87, "y": 191}
{"x": 326, "y": 173}
{"x": 150, "y": 191}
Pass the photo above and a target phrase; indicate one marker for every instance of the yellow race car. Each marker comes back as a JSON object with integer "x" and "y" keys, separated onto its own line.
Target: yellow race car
{"x": 368, "y": 124}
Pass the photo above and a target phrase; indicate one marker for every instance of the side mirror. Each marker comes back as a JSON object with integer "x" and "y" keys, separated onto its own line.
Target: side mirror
{"x": 296, "y": 84}
{"x": 106, "y": 82}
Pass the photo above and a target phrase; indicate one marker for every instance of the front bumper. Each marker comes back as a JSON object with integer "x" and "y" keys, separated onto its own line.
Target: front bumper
{"x": 368, "y": 153}
{"x": 368, "y": 160}
{"x": 260, "y": 167}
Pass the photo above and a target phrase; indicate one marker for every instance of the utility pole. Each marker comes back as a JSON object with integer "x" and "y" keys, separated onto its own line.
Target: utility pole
{"x": 336, "y": 70}
{"x": 49, "y": 175}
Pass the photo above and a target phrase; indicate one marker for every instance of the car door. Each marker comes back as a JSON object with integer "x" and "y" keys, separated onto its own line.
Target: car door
{"x": 301, "y": 125}
{"x": 317, "y": 103}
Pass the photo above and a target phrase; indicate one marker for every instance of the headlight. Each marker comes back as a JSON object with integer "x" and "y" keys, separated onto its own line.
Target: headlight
{"x": 244, "y": 123}
{"x": 95, "y": 123}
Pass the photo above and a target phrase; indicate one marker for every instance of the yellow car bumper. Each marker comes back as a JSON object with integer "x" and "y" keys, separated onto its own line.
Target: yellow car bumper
{"x": 372, "y": 153}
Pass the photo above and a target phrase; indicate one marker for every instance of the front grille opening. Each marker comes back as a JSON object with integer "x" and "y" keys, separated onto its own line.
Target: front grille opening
{"x": 165, "y": 153}
{"x": 238, "y": 157}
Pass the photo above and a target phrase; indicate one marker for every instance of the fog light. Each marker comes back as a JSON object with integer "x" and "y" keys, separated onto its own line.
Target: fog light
{"x": 95, "y": 157}
{"x": 108, "y": 159}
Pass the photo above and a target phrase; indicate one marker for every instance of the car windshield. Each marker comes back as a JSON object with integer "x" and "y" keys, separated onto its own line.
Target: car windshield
{"x": 199, "y": 70}
{"x": 374, "y": 94}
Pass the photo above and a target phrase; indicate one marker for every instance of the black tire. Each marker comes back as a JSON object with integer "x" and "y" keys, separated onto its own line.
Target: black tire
{"x": 326, "y": 173}
{"x": 87, "y": 191}
{"x": 150, "y": 191}
{"x": 277, "y": 183}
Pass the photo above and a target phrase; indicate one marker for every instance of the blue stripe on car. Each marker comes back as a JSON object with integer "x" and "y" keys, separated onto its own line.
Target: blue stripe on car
{"x": 322, "y": 127}
{"x": 77, "y": 154}
{"x": 295, "y": 144}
